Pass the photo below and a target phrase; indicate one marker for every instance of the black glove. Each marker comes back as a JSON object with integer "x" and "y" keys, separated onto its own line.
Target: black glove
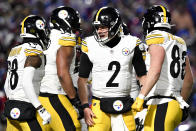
{"x": 185, "y": 114}
{"x": 77, "y": 104}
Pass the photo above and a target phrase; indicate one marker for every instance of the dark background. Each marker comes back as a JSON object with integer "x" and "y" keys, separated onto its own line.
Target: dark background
{"x": 12, "y": 12}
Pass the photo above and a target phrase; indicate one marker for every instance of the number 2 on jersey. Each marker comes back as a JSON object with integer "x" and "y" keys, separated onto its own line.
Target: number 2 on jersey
{"x": 13, "y": 67}
{"x": 175, "y": 54}
{"x": 110, "y": 82}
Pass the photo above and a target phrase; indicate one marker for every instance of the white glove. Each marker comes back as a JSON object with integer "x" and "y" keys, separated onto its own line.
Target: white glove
{"x": 45, "y": 115}
{"x": 140, "y": 117}
{"x": 182, "y": 103}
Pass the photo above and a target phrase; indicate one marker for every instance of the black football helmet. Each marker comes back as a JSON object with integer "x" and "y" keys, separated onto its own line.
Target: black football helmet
{"x": 65, "y": 19}
{"x": 34, "y": 26}
{"x": 156, "y": 16}
{"x": 109, "y": 17}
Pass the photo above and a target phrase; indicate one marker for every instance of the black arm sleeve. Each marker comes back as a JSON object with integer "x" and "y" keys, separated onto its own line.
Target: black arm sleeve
{"x": 138, "y": 62}
{"x": 85, "y": 66}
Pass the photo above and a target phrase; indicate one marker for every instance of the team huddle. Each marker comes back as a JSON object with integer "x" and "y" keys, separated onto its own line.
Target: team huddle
{"x": 135, "y": 85}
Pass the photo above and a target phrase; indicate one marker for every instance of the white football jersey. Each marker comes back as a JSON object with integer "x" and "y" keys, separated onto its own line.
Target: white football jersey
{"x": 173, "y": 68}
{"x": 16, "y": 61}
{"x": 50, "y": 82}
{"x": 112, "y": 67}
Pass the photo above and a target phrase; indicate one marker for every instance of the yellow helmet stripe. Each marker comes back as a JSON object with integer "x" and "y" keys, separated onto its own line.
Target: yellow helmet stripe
{"x": 22, "y": 28}
{"x": 164, "y": 13}
{"x": 96, "y": 19}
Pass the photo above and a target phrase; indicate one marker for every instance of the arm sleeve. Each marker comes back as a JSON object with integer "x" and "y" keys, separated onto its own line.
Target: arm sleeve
{"x": 28, "y": 86}
{"x": 138, "y": 62}
{"x": 85, "y": 66}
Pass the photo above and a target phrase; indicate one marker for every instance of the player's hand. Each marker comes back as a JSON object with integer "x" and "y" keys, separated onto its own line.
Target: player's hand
{"x": 89, "y": 115}
{"x": 45, "y": 115}
{"x": 138, "y": 104}
{"x": 77, "y": 104}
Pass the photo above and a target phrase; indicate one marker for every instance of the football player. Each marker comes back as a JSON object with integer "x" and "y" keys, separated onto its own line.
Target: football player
{"x": 57, "y": 92}
{"x": 135, "y": 85}
{"x": 25, "y": 71}
{"x": 169, "y": 79}
{"x": 110, "y": 57}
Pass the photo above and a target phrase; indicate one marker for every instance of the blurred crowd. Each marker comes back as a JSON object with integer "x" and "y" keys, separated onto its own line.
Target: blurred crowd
{"x": 13, "y": 11}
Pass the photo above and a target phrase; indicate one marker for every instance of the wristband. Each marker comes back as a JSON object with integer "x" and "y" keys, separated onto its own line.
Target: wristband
{"x": 86, "y": 105}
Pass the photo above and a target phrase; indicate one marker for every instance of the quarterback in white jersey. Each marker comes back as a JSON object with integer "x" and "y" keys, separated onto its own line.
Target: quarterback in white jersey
{"x": 57, "y": 92}
{"x": 25, "y": 71}
{"x": 110, "y": 57}
{"x": 169, "y": 79}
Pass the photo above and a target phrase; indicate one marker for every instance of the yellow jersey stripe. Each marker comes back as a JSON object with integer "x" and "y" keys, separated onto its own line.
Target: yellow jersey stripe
{"x": 68, "y": 38}
{"x": 138, "y": 42}
{"x": 155, "y": 41}
{"x": 67, "y": 42}
{"x": 33, "y": 51}
{"x": 31, "y": 54}
{"x": 22, "y": 29}
{"x": 164, "y": 13}
{"x": 84, "y": 48}
{"x": 153, "y": 35}
{"x": 84, "y": 43}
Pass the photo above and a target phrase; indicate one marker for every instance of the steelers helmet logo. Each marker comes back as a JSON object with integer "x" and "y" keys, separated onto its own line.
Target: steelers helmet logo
{"x": 40, "y": 24}
{"x": 125, "y": 51}
{"x": 118, "y": 105}
{"x": 15, "y": 113}
{"x": 63, "y": 14}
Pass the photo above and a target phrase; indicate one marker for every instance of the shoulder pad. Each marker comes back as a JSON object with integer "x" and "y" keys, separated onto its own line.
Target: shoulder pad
{"x": 33, "y": 50}
{"x": 154, "y": 39}
{"x": 180, "y": 40}
{"x": 84, "y": 46}
{"x": 67, "y": 41}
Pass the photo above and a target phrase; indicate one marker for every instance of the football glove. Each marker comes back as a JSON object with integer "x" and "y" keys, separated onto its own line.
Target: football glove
{"x": 77, "y": 104}
{"x": 138, "y": 104}
{"x": 45, "y": 115}
{"x": 139, "y": 119}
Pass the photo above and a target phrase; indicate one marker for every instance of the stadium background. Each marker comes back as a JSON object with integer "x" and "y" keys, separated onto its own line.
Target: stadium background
{"x": 12, "y": 12}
